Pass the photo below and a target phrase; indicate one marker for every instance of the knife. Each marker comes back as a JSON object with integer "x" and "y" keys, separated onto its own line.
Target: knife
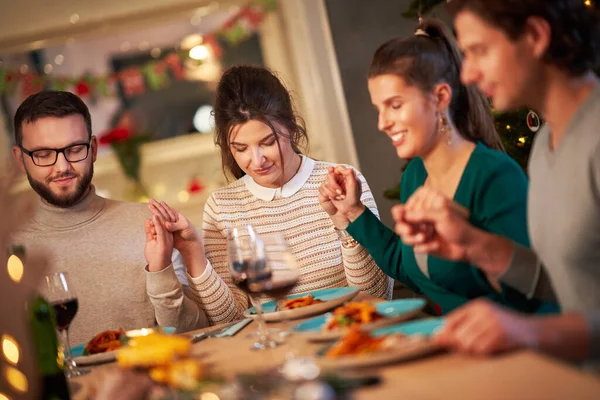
{"x": 228, "y": 330}
{"x": 232, "y": 330}
{"x": 203, "y": 335}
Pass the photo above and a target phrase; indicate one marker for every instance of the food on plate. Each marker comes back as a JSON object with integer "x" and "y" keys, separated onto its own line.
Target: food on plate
{"x": 355, "y": 342}
{"x": 291, "y": 304}
{"x": 166, "y": 357}
{"x": 351, "y": 314}
{"x": 183, "y": 374}
{"x": 153, "y": 350}
{"x": 103, "y": 342}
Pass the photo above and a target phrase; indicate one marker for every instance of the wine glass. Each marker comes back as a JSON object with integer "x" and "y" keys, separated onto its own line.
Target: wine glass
{"x": 61, "y": 296}
{"x": 244, "y": 250}
{"x": 278, "y": 275}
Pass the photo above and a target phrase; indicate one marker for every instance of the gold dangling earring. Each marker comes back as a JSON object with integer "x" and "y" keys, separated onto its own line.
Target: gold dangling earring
{"x": 445, "y": 129}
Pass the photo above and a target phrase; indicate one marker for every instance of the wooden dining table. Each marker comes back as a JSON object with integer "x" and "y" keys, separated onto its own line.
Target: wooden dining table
{"x": 516, "y": 375}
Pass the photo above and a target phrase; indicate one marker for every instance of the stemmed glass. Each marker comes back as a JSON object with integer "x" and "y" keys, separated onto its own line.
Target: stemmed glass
{"x": 245, "y": 252}
{"x": 279, "y": 273}
{"x": 61, "y": 296}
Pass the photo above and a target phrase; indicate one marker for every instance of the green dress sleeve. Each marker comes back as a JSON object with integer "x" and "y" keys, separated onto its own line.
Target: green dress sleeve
{"x": 382, "y": 243}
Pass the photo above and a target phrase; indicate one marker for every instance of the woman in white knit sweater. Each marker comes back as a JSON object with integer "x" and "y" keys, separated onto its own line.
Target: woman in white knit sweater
{"x": 276, "y": 189}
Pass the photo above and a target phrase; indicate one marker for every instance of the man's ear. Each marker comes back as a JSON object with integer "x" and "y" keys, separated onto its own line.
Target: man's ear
{"x": 18, "y": 156}
{"x": 94, "y": 148}
{"x": 537, "y": 35}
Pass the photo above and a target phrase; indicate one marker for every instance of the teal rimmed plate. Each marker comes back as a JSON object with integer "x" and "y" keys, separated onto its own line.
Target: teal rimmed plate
{"x": 331, "y": 298}
{"x": 404, "y": 342}
{"x": 109, "y": 356}
{"x": 393, "y": 312}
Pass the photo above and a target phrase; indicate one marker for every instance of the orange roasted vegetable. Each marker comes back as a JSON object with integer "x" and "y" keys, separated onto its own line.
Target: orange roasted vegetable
{"x": 103, "y": 342}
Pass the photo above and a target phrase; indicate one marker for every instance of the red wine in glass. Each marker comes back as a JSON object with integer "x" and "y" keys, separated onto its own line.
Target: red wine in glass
{"x": 276, "y": 289}
{"x": 244, "y": 256}
{"x": 59, "y": 292}
{"x": 248, "y": 275}
{"x": 65, "y": 312}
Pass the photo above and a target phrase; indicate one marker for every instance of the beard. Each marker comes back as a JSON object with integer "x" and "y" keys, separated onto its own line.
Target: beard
{"x": 63, "y": 201}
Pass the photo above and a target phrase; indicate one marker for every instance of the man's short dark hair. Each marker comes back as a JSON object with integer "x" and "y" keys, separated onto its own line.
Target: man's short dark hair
{"x": 49, "y": 103}
{"x": 575, "y": 43}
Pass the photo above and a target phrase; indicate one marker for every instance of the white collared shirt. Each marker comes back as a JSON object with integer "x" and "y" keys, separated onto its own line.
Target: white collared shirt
{"x": 288, "y": 189}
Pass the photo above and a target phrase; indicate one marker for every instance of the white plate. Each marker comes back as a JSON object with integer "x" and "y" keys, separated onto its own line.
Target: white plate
{"x": 399, "y": 348}
{"x": 331, "y": 298}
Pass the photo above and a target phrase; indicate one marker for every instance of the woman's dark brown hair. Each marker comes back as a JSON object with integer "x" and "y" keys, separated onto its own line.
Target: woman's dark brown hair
{"x": 575, "y": 41}
{"x": 433, "y": 57}
{"x": 249, "y": 93}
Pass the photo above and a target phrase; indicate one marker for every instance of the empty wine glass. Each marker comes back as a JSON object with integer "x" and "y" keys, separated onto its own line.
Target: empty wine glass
{"x": 246, "y": 265}
{"x": 61, "y": 296}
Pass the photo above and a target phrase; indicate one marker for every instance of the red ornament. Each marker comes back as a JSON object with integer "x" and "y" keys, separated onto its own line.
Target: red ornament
{"x": 533, "y": 121}
{"x": 195, "y": 186}
{"x": 116, "y": 135}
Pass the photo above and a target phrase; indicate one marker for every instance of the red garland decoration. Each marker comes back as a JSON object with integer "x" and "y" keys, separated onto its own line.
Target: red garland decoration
{"x": 254, "y": 16}
{"x": 174, "y": 63}
{"x": 195, "y": 186}
{"x": 211, "y": 41}
{"x": 82, "y": 88}
{"x": 115, "y": 136}
{"x": 132, "y": 81}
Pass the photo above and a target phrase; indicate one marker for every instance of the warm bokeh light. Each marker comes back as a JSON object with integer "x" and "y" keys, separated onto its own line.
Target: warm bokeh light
{"x": 199, "y": 52}
{"x": 10, "y": 348}
{"x": 522, "y": 139}
{"x": 203, "y": 119}
{"x": 160, "y": 189}
{"x": 15, "y": 268}
{"x": 4, "y": 397}
{"x": 16, "y": 379}
{"x": 183, "y": 196}
{"x": 588, "y": 3}
{"x": 190, "y": 41}
{"x": 209, "y": 396}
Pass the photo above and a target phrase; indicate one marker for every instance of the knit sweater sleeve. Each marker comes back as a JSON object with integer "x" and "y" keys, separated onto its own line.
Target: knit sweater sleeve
{"x": 171, "y": 306}
{"x": 361, "y": 270}
{"x": 214, "y": 290}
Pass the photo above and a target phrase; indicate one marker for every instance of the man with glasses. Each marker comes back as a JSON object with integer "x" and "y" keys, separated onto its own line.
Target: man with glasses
{"x": 99, "y": 242}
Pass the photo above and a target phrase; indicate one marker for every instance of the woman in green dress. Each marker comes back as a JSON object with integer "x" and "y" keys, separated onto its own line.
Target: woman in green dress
{"x": 447, "y": 131}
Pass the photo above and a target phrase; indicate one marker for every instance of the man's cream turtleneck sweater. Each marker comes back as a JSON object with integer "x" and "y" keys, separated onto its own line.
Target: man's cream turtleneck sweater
{"x": 100, "y": 244}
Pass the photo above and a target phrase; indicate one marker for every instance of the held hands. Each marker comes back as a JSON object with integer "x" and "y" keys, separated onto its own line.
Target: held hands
{"x": 159, "y": 244}
{"x": 185, "y": 236}
{"x": 433, "y": 224}
{"x": 339, "y": 196}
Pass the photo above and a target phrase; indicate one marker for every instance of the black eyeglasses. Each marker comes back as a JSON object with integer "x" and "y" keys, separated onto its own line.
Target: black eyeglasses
{"x": 47, "y": 157}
